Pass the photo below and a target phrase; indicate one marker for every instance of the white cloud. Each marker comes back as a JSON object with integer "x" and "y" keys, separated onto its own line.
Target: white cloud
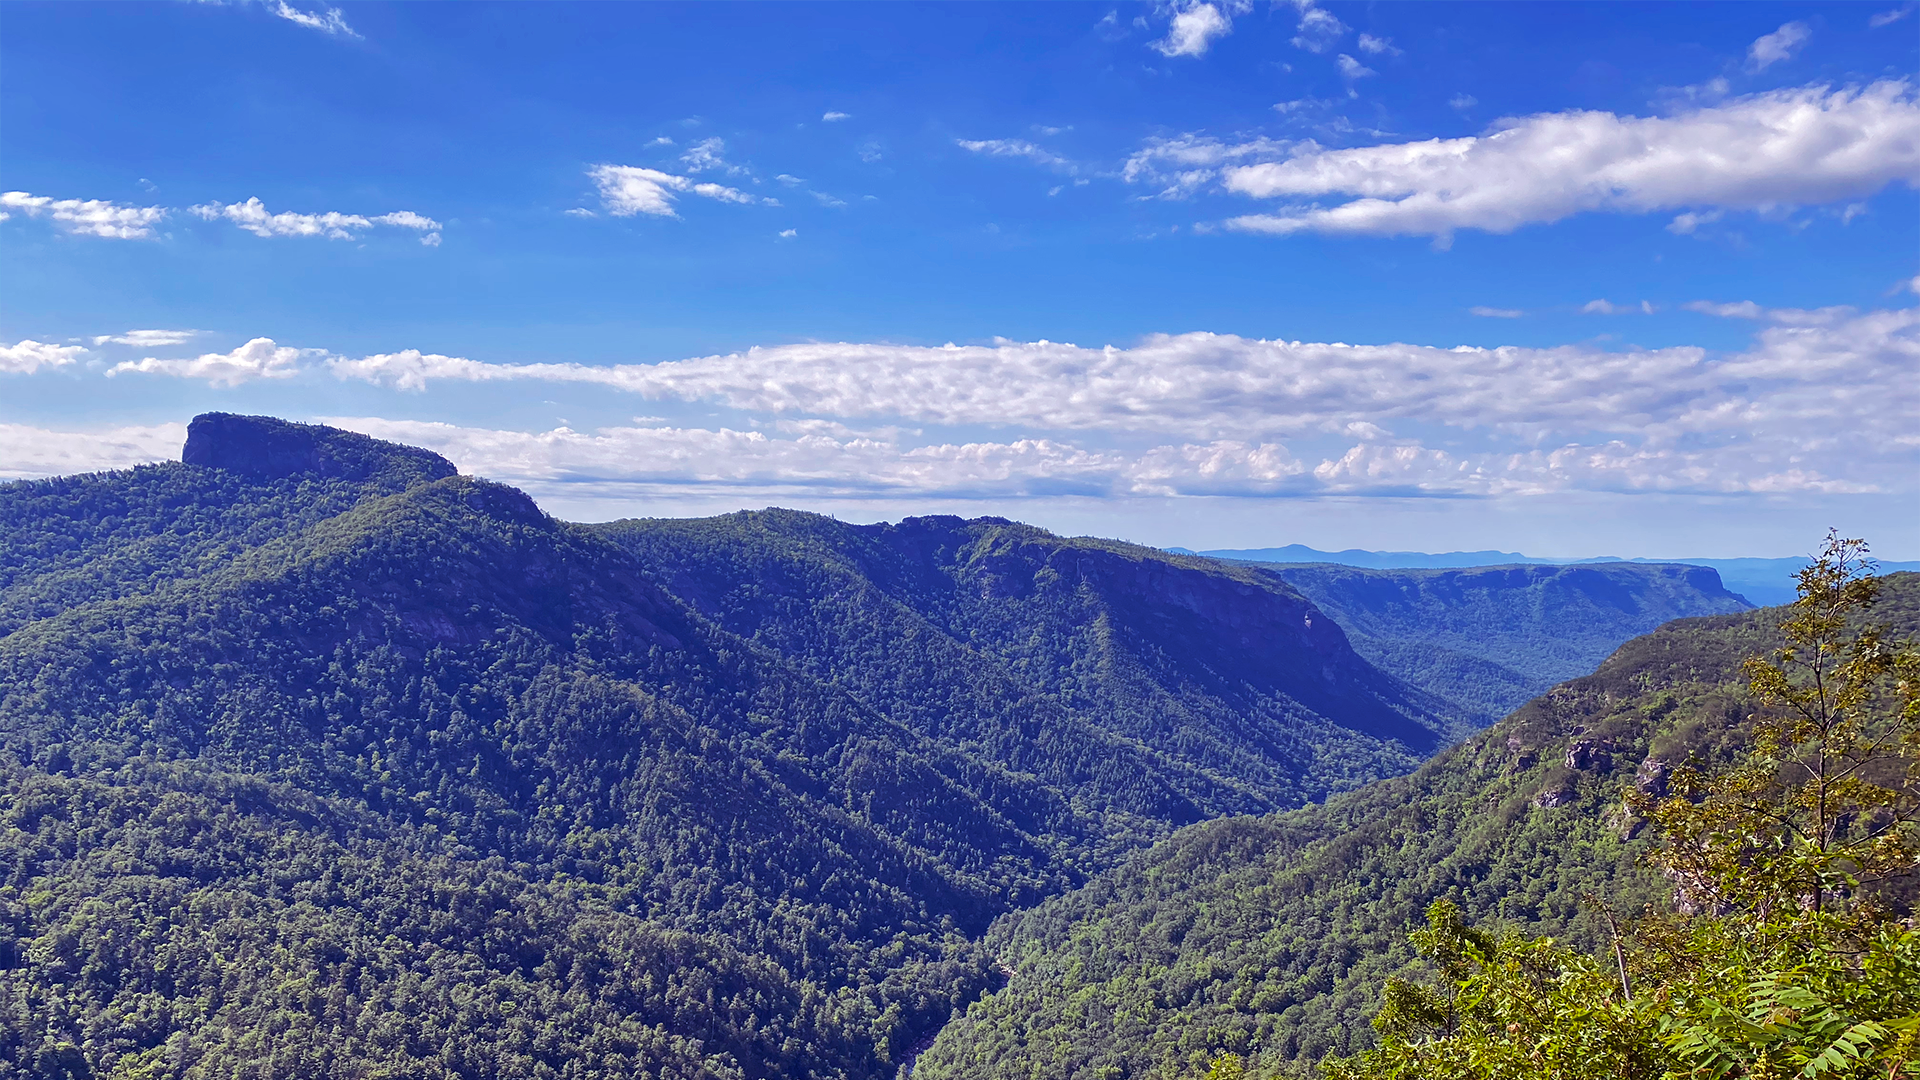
{"x": 1820, "y": 398}
{"x": 1462, "y": 102}
{"x": 327, "y": 20}
{"x": 1779, "y": 149}
{"x": 580, "y": 211}
{"x": 1182, "y": 165}
{"x": 252, "y": 216}
{"x": 1019, "y": 148}
{"x": 1745, "y": 309}
{"x": 1318, "y": 30}
{"x": 708, "y": 154}
{"x": 148, "y": 339}
{"x": 1689, "y": 223}
{"x": 832, "y": 117}
{"x": 1195, "y": 27}
{"x": 683, "y": 459}
{"x": 32, "y": 452}
{"x": 627, "y": 190}
{"x": 257, "y": 359}
{"x": 1351, "y": 69}
{"x": 1495, "y": 312}
{"x": 87, "y": 217}
{"x": 788, "y": 234}
{"x": 1888, "y": 18}
{"x": 1378, "y": 46}
{"x": 30, "y": 356}
{"x": 1770, "y": 49}
{"x": 725, "y": 194}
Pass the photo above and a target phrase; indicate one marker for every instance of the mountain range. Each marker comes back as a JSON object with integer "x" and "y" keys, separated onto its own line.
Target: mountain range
{"x": 1757, "y": 580}
{"x": 323, "y": 760}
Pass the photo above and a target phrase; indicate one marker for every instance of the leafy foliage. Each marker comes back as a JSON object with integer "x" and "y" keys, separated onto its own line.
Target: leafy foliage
{"x": 1786, "y": 956}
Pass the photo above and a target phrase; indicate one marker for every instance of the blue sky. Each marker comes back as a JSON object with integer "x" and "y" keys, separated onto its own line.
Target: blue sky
{"x": 1569, "y": 279}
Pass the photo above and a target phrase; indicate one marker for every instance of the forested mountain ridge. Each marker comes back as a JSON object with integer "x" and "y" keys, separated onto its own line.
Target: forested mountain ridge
{"x": 1487, "y": 639}
{"x": 324, "y": 761}
{"x": 1272, "y": 937}
{"x": 1166, "y": 687}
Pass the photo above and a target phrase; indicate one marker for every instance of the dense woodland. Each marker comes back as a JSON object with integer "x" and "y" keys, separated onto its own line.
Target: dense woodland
{"x": 1273, "y": 938}
{"x": 321, "y": 761}
{"x": 1488, "y": 639}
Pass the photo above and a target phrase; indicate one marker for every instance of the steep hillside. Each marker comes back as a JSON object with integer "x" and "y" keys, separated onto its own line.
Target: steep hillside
{"x": 323, "y": 761}
{"x": 1488, "y": 639}
{"x": 1161, "y": 687}
{"x": 1272, "y": 936}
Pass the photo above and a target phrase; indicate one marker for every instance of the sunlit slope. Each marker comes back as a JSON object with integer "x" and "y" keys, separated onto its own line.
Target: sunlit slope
{"x": 324, "y": 761}
{"x": 1273, "y": 936}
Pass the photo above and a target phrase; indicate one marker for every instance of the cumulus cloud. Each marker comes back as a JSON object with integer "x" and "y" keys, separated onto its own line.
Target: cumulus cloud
{"x": 31, "y": 452}
{"x": 1770, "y": 49}
{"x": 627, "y": 190}
{"x": 86, "y": 217}
{"x": 148, "y": 339}
{"x": 253, "y": 216}
{"x": 1785, "y": 148}
{"x": 1195, "y": 27}
{"x": 260, "y": 358}
{"x": 832, "y": 117}
{"x": 29, "y": 356}
{"x": 1318, "y": 31}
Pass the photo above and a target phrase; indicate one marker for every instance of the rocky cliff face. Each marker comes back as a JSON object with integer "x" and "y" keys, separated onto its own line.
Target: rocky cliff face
{"x": 267, "y": 447}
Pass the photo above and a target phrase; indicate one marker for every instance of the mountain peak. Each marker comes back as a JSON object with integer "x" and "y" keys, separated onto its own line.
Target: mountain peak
{"x": 270, "y": 447}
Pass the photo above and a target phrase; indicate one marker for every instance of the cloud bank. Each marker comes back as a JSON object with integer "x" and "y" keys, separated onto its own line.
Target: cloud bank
{"x": 1820, "y": 400}
{"x": 1783, "y": 149}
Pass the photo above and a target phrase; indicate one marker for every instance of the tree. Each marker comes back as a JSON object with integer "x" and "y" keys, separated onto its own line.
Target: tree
{"x": 1788, "y": 953}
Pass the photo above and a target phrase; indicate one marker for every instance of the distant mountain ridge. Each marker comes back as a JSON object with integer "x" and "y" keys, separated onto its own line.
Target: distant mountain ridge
{"x": 1487, "y": 639}
{"x": 1761, "y": 581}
